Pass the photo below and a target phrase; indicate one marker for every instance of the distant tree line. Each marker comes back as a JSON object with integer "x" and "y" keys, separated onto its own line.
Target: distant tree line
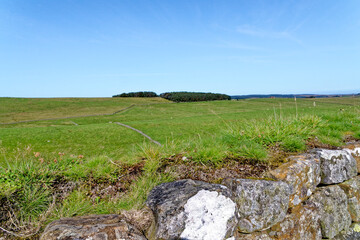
{"x": 179, "y": 96}
{"x": 193, "y": 96}
{"x": 137, "y": 94}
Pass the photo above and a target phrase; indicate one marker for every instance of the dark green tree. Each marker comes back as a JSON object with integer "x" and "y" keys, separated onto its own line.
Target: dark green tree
{"x": 193, "y": 96}
{"x": 137, "y": 94}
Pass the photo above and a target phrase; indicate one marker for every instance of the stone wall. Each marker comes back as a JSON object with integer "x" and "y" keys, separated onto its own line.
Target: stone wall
{"x": 313, "y": 196}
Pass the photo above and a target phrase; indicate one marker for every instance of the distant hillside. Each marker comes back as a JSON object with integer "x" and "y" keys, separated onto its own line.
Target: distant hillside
{"x": 290, "y": 96}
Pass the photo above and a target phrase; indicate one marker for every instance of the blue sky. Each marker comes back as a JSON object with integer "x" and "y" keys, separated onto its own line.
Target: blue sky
{"x": 100, "y": 48}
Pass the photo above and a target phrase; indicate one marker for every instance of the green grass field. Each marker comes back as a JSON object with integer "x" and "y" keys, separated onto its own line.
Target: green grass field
{"x": 20, "y": 109}
{"x": 40, "y": 157}
{"x": 163, "y": 122}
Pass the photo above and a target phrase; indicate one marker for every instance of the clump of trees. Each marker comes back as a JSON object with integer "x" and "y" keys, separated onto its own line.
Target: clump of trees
{"x": 179, "y": 96}
{"x": 193, "y": 96}
{"x": 137, "y": 94}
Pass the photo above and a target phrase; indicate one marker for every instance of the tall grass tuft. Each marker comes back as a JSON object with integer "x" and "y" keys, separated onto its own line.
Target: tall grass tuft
{"x": 250, "y": 139}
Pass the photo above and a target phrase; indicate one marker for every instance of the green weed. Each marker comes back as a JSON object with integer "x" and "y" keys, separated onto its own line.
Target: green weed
{"x": 293, "y": 144}
{"x": 99, "y": 168}
{"x": 139, "y": 191}
{"x": 31, "y": 202}
{"x": 76, "y": 204}
{"x": 290, "y": 133}
{"x": 242, "y": 148}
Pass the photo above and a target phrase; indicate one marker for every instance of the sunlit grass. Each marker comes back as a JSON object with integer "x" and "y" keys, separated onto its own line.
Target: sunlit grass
{"x": 37, "y": 156}
{"x": 20, "y": 109}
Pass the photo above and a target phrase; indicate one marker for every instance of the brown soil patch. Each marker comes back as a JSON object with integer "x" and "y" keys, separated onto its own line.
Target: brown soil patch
{"x": 116, "y": 189}
{"x": 277, "y": 155}
{"x": 312, "y": 143}
{"x": 98, "y": 188}
{"x": 232, "y": 168}
{"x": 351, "y": 139}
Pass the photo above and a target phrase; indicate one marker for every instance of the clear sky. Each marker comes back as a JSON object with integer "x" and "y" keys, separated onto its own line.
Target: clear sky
{"x": 63, "y": 48}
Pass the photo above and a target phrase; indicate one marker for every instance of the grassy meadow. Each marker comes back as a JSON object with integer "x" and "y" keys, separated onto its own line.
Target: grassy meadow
{"x": 89, "y": 165}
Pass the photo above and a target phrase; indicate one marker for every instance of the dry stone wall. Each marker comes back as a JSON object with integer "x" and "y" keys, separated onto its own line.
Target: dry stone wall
{"x": 313, "y": 196}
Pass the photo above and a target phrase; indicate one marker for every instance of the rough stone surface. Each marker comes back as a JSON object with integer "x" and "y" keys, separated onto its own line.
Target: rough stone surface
{"x": 352, "y": 234}
{"x": 354, "y": 150}
{"x": 336, "y": 165}
{"x": 261, "y": 203}
{"x": 301, "y": 223}
{"x": 207, "y": 215}
{"x": 253, "y": 236}
{"x": 93, "y": 227}
{"x": 352, "y": 191}
{"x": 192, "y": 210}
{"x": 141, "y": 219}
{"x": 331, "y": 201}
{"x": 302, "y": 173}
{"x": 354, "y": 209}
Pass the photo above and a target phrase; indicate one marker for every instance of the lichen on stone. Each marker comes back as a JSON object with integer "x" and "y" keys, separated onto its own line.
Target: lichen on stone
{"x": 336, "y": 165}
{"x": 208, "y": 213}
{"x": 356, "y": 228}
{"x": 261, "y": 203}
{"x": 332, "y": 203}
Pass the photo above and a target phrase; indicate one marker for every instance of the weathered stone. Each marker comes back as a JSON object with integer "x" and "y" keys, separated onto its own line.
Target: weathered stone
{"x": 354, "y": 209}
{"x": 352, "y": 191}
{"x": 302, "y": 173}
{"x": 253, "y": 236}
{"x": 261, "y": 203}
{"x": 188, "y": 209}
{"x": 94, "y": 227}
{"x": 336, "y": 165}
{"x": 141, "y": 219}
{"x": 354, "y": 150}
{"x": 352, "y": 234}
{"x": 333, "y": 209}
{"x": 301, "y": 223}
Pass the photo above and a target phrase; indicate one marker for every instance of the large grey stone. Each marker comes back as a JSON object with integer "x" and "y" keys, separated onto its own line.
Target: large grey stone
{"x": 261, "y": 203}
{"x": 336, "y": 165}
{"x": 331, "y": 201}
{"x": 93, "y": 227}
{"x": 352, "y": 191}
{"x": 188, "y": 209}
{"x": 302, "y": 173}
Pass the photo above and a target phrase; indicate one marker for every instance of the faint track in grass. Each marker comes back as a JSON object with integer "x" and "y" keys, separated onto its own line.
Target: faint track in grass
{"x": 90, "y": 115}
{"x": 136, "y": 130}
{"x": 81, "y": 116}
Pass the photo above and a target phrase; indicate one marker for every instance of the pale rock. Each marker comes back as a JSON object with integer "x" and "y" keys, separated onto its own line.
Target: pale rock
{"x": 208, "y": 213}
{"x": 188, "y": 209}
{"x": 354, "y": 150}
{"x": 336, "y": 165}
